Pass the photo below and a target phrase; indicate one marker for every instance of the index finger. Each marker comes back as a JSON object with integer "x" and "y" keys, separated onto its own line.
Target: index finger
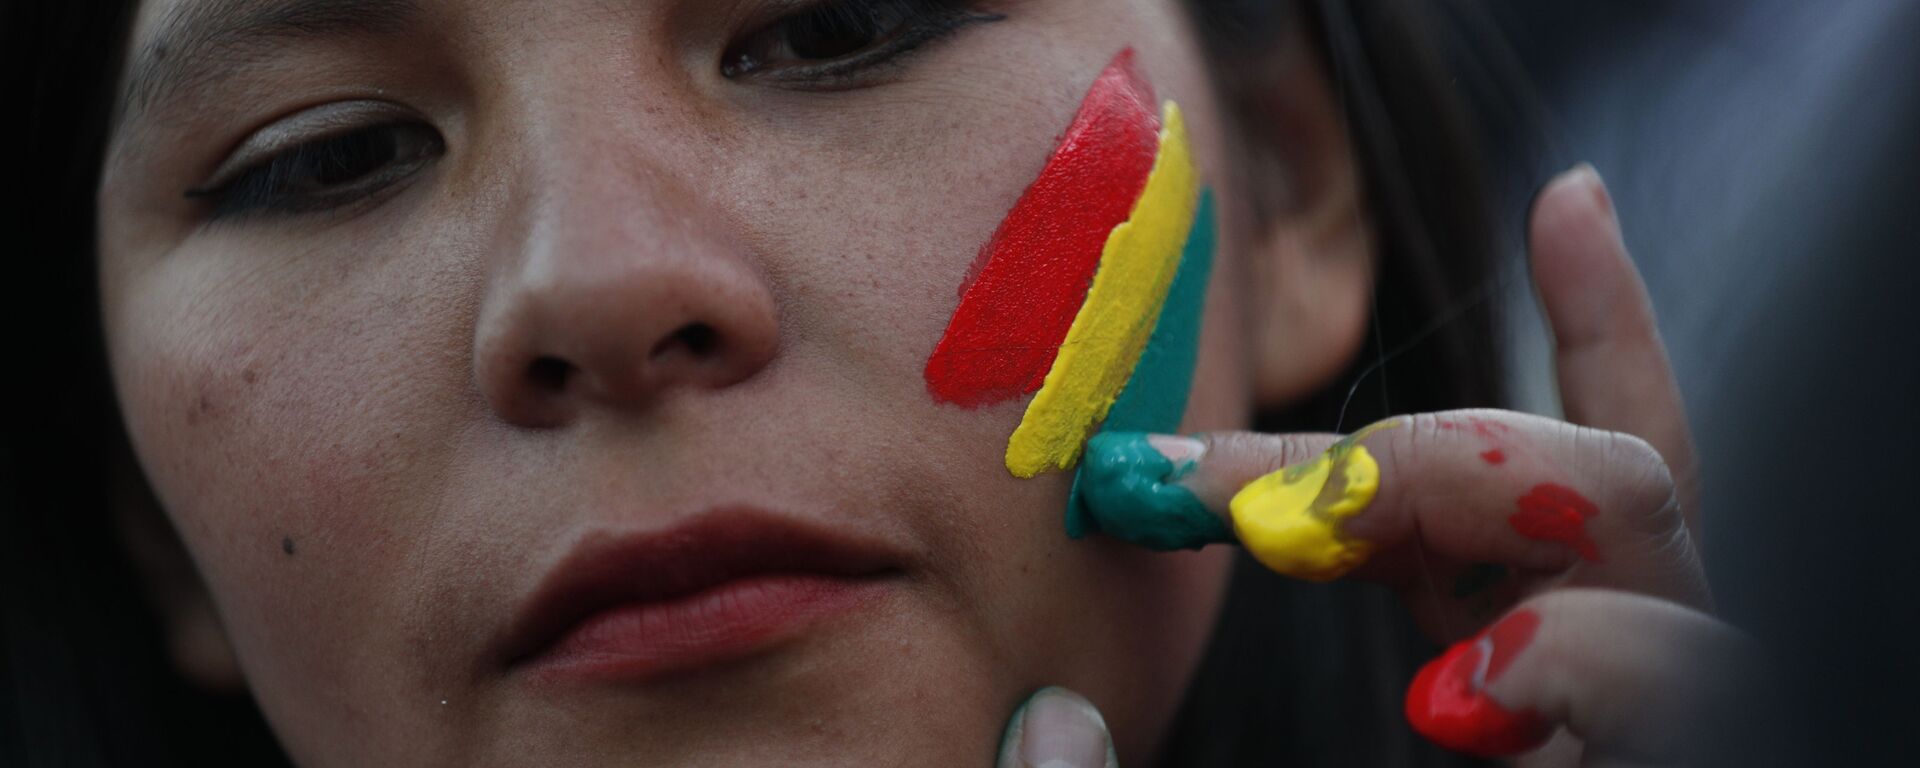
{"x": 1539, "y": 495}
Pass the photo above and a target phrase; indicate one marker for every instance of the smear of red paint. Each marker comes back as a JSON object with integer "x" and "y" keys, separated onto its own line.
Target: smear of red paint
{"x": 1030, "y": 279}
{"x": 1450, "y": 707}
{"x": 1554, "y": 512}
{"x": 1509, "y": 637}
{"x": 1487, "y": 429}
{"x": 1493, "y": 456}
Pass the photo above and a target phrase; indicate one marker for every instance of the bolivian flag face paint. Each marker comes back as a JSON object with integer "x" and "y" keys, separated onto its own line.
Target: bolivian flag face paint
{"x": 1090, "y": 291}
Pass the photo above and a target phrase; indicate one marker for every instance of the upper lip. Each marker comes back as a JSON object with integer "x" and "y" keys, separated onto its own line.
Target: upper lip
{"x": 610, "y": 569}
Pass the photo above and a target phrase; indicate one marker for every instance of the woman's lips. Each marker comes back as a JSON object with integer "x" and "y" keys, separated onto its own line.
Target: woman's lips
{"x": 641, "y": 640}
{"x": 722, "y": 587}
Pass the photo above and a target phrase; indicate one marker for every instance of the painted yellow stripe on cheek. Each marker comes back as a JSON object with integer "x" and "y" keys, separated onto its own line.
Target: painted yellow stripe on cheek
{"x": 1289, "y": 520}
{"x": 1102, "y": 346}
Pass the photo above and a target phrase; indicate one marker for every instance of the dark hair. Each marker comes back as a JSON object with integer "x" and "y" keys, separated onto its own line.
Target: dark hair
{"x": 1339, "y": 656}
{"x": 84, "y": 677}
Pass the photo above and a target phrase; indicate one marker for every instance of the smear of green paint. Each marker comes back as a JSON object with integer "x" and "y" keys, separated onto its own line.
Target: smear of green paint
{"x": 1156, "y": 396}
{"x": 1133, "y": 494}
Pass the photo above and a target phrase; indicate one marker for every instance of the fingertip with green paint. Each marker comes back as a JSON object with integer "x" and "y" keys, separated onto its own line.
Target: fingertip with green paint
{"x": 1129, "y": 485}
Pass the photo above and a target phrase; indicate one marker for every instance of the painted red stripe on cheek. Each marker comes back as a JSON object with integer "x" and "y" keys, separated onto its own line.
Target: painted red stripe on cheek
{"x": 1032, "y": 276}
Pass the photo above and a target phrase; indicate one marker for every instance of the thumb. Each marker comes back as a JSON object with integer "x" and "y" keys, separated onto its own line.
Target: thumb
{"x": 1056, "y": 728}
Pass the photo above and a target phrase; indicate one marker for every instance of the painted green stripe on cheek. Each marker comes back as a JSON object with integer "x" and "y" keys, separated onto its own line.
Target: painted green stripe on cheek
{"x": 1155, "y": 398}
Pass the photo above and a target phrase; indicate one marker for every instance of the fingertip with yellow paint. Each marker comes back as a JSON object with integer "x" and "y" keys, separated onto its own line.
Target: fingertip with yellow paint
{"x": 1290, "y": 520}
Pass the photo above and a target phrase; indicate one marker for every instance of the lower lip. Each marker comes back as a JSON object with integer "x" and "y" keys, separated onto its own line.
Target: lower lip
{"x": 637, "y": 642}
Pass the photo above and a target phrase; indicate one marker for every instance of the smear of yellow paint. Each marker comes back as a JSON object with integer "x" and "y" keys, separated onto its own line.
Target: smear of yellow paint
{"x": 1289, "y": 520}
{"x": 1137, "y": 265}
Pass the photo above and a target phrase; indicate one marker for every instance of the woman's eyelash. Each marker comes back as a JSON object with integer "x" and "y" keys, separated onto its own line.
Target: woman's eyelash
{"x": 326, "y": 172}
{"x": 836, "y": 40}
{"x": 824, "y": 44}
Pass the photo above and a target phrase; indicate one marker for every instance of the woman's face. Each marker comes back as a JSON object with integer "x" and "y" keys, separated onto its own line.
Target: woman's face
{"x": 578, "y": 319}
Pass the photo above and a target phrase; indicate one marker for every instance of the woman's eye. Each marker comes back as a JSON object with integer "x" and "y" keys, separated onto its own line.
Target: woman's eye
{"x": 839, "y": 38}
{"x": 326, "y": 172}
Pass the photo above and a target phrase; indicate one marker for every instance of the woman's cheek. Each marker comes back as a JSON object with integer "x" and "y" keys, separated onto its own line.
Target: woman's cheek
{"x": 287, "y": 420}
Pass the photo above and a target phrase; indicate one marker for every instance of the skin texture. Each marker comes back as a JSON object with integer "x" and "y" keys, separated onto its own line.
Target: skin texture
{"x": 363, "y": 382}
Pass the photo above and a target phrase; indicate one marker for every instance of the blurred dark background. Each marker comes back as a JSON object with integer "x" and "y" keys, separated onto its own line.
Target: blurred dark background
{"x": 1765, "y": 160}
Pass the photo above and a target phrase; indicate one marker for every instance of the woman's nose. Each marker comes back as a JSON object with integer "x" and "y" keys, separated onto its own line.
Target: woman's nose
{"x": 613, "y": 296}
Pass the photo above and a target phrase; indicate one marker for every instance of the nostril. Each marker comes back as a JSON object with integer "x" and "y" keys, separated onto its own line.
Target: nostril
{"x": 699, "y": 340}
{"x": 549, "y": 373}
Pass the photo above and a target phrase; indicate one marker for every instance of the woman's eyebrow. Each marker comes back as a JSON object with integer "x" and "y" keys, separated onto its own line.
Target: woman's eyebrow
{"x": 198, "y": 43}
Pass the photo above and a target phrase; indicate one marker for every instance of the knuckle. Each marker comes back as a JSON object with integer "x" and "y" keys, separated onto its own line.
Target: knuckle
{"x": 1412, "y": 436}
{"x": 1262, "y": 453}
{"x": 1636, "y": 477}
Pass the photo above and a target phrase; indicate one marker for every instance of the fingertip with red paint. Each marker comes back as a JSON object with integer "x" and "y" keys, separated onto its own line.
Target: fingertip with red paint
{"x": 1448, "y": 701}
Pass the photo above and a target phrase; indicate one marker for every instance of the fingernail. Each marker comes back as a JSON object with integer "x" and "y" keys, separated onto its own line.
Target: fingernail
{"x": 1589, "y": 177}
{"x": 1056, "y": 728}
{"x": 1181, "y": 451}
{"x": 1449, "y": 705}
{"x": 1129, "y": 485}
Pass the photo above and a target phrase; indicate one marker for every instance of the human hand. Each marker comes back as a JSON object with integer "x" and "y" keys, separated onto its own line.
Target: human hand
{"x": 1577, "y": 535}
